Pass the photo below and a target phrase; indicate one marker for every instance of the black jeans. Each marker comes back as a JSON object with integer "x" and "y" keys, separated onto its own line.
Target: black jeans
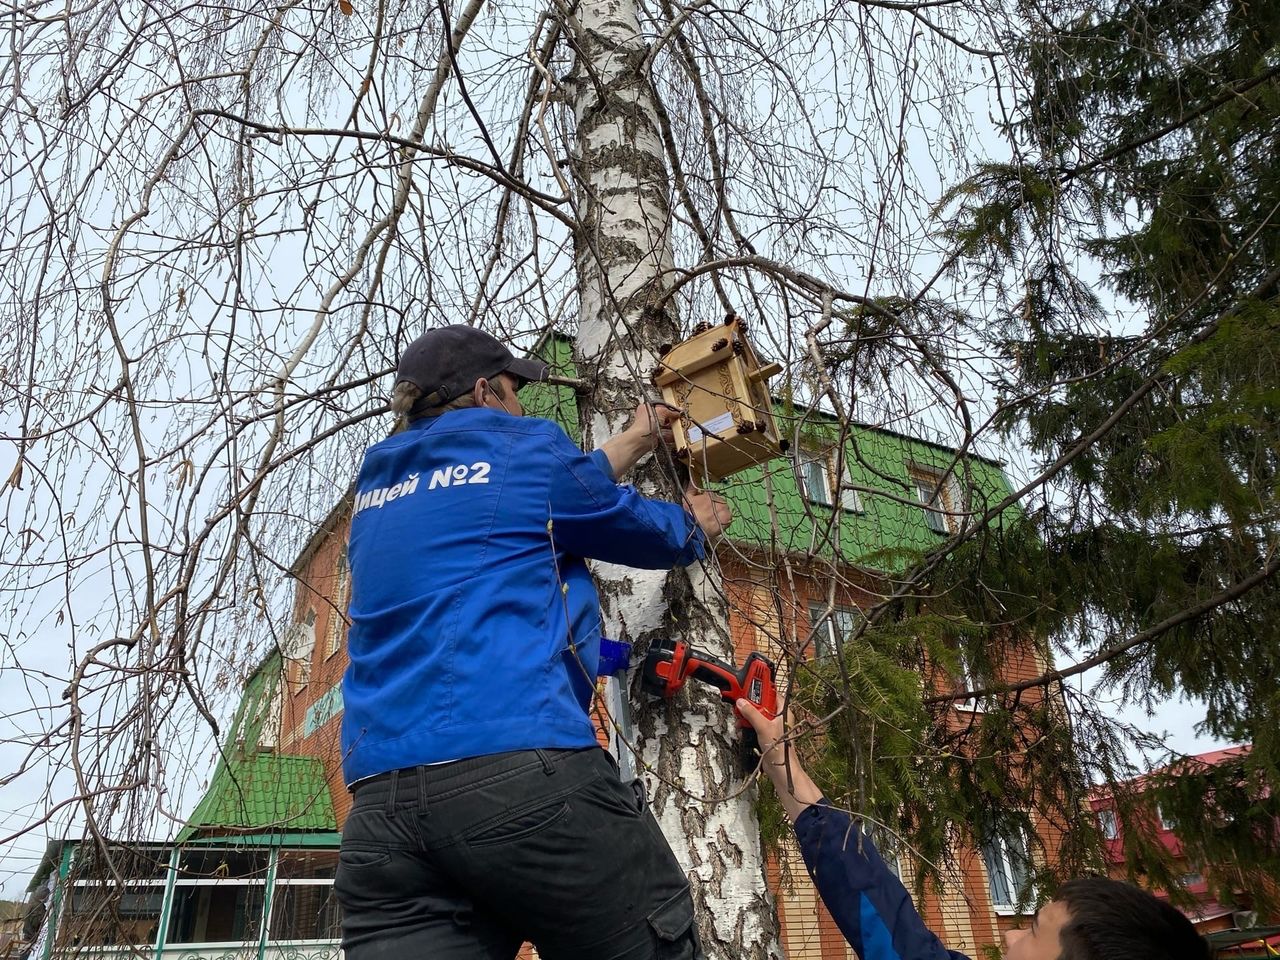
{"x": 471, "y": 858}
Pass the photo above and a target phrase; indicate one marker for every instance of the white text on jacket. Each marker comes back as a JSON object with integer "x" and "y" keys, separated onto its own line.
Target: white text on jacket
{"x": 456, "y": 476}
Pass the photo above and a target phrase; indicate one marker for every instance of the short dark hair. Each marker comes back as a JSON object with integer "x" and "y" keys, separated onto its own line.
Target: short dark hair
{"x": 1110, "y": 920}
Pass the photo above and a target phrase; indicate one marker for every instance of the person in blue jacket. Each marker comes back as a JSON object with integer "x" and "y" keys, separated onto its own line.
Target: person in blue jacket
{"x": 485, "y": 813}
{"x": 1091, "y": 918}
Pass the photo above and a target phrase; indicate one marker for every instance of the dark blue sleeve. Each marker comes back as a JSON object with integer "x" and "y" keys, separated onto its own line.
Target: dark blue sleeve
{"x": 868, "y": 903}
{"x": 592, "y": 516}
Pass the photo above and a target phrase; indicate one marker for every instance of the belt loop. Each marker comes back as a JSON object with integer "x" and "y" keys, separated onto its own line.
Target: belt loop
{"x": 547, "y": 767}
{"x": 391, "y": 794}
{"x": 422, "y": 790}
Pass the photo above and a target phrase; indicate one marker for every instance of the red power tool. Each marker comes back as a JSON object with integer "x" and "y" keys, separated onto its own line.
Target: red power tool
{"x": 670, "y": 663}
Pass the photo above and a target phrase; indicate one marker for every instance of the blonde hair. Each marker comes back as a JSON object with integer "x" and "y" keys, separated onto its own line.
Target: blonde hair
{"x": 405, "y": 396}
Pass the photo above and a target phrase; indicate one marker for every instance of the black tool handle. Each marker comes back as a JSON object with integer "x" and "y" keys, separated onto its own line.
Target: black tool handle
{"x": 748, "y": 750}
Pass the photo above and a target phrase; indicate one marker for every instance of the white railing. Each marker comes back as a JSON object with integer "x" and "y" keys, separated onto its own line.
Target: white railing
{"x": 274, "y": 950}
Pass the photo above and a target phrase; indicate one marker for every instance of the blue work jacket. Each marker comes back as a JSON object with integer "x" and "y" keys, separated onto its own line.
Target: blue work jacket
{"x": 475, "y": 625}
{"x": 868, "y": 903}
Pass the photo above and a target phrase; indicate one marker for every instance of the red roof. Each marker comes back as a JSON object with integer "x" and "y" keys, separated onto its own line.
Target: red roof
{"x": 1211, "y": 758}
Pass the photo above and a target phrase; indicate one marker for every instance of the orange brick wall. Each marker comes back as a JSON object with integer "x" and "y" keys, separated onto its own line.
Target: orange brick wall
{"x": 318, "y": 582}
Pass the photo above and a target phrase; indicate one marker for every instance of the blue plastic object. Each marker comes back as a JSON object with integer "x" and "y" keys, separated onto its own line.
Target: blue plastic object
{"x": 615, "y": 656}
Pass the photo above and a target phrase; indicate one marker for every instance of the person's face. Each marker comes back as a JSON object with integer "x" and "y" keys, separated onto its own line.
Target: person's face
{"x": 509, "y": 402}
{"x": 1040, "y": 940}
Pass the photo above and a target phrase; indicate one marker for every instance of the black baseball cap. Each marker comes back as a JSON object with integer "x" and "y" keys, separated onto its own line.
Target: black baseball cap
{"x": 446, "y": 362}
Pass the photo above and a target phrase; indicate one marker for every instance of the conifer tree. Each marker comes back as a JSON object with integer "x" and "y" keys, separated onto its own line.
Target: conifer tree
{"x": 1147, "y": 143}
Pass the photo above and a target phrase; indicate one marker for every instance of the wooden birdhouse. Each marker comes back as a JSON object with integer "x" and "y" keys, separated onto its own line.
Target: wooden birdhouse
{"x": 716, "y": 378}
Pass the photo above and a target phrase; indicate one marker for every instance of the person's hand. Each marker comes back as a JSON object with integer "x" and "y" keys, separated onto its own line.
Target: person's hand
{"x": 709, "y": 510}
{"x": 794, "y": 787}
{"x": 768, "y": 732}
{"x": 650, "y": 426}
{"x": 652, "y": 422}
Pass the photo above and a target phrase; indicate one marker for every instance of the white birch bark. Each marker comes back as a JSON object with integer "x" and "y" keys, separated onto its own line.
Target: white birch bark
{"x": 687, "y": 748}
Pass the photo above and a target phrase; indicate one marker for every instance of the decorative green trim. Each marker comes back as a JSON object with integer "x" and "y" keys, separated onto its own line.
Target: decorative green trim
{"x": 55, "y": 905}
{"x": 267, "y": 896}
{"x": 166, "y": 907}
{"x": 318, "y": 838}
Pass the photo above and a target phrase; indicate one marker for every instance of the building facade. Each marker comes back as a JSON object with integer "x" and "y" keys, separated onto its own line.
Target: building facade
{"x": 815, "y": 542}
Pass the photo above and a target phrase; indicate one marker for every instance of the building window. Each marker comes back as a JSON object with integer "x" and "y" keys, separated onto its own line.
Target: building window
{"x": 100, "y": 914}
{"x": 1166, "y": 822}
{"x": 303, "y": 906}
{"x": 815, "y": 472}
{"x": 888, "y": 846}
{"x": 1007, "y": 855}
{"x": 338, "y": 612}
{"x": 832, "y": 630}
{"x": 941, "y": 499}
{"x": 100, "y": 911}
{"x": 814, "y": 485}
{"x": 1108, "y": 824}
{"x": 216, "y": 896}
{"x": 965, "y": 679}
{"x": 299, "y": 646}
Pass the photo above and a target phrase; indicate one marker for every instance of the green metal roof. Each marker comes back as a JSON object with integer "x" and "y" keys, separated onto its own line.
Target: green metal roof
{"x": 552, "y": 401}
{"x": 255, "y": 791}
{"x": 890, "y": 531}
{"x": 264, "y": 792}
{"x": 886, "y": 535}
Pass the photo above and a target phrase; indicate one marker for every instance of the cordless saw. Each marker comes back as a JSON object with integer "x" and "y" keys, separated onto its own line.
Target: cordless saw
{"x": 670, "y": 663}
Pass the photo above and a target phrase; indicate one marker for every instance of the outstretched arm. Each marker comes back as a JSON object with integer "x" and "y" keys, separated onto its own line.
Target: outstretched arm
{"x": 795, "y": 788}
{"x": 649, "y": 427}
{"x": 868, "y": 903}
{"x": 595, "y": 517}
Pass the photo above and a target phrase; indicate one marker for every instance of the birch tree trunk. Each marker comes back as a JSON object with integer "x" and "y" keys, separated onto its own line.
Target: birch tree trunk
{"x": 623, "y": 253}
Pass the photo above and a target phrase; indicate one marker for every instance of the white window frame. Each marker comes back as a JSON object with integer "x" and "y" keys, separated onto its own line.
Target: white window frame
{"x": 940, "y": 501}
{"x": 187, "y": 945}
{"x": 811, "y": 466}
{"x": 806, "y": 460}
{"x": 968, "y": 681}
{"x": 1108, "y": 823}
{"x": 840, "y": 616}
{"x": 1165, "y": 822}
{"x": 997, "y": 855}
{"x": 300, "y": 646}
{"x": 174, "y": 879}
{"x": 338, "y": 605}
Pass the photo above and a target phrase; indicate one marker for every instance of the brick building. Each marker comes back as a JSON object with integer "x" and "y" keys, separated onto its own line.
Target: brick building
{"x": 1221, "y": 912}
{"x": 897, "y": 496}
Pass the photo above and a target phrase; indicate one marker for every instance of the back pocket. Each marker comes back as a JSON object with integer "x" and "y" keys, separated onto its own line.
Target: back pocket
{"x": 361, "y": 857}
{"x": 526, "y": 823}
